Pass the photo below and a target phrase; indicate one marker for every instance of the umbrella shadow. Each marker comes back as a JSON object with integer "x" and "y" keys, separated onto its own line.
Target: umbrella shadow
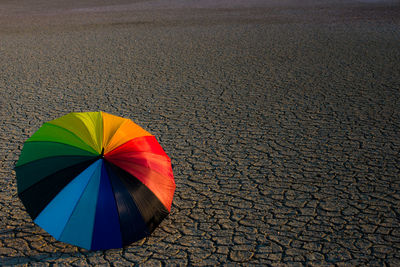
{"x": 26, "y": 244}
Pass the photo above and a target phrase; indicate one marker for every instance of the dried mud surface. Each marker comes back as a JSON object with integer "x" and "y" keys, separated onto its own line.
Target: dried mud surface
{"x": 282, "y": 123}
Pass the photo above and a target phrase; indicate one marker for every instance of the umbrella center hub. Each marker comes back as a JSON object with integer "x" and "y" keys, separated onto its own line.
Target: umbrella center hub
{"x": 102, "y": 154}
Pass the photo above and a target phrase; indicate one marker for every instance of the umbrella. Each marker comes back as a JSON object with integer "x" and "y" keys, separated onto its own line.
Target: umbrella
{"x": 95, "y": 180}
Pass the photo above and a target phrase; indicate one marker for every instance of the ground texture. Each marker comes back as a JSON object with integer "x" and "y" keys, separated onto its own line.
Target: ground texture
{"x": 282, "y": 123}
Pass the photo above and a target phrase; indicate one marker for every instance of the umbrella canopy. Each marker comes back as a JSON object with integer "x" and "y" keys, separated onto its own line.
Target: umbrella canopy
{"x": 95, "y": 180}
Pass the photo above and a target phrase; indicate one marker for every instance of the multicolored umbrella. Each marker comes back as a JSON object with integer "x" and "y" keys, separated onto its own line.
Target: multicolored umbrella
{"x": 95, "y": 180}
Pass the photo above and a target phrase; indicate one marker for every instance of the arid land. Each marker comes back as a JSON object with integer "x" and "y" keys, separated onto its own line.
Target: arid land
{"x": 282, "y": 121}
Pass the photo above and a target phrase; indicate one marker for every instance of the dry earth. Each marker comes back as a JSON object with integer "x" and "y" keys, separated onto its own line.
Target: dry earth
{"x": 282, "y": 121}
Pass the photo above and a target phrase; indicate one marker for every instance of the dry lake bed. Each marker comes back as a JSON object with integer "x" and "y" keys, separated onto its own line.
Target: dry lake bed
{"x": 282, "y": 121}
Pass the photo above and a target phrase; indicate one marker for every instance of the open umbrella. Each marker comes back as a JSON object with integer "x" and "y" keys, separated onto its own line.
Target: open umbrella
{"x": 95, "y": 180}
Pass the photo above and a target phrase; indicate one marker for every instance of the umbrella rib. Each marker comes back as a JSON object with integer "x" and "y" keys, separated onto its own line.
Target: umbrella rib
{"x": 94, "y": 124}
{"x": 171, "y": 181}
{"x": 76, "y": 204}
{"x": 33, "y": 141}
{"x": 112, "y": 188}
{"x": 165, "y": 156}
{"x": 86, "y": 121}
{"x": 113, "y": 195}
{"x": 110, "y": 137}
{"x": 103, "y": 167}
{"x": 127, "y": 121}
{"x": 56, "y": 190}
{"x": 70, "y": 156}
{"x": 65, "y": 129}
{"x": 38, "y": 141}
{"x": 139, "y": 206}
{"x": 135, "y": 164}
{"x": 116, "y": 130}
{"x": 131, "y": 140}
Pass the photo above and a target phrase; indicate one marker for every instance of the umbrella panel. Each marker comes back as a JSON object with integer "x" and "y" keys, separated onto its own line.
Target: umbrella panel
{"x": 150, "y": 207}
{"x": 113, "y": 208}
{"x": 33, "y": 172}
{"x": 79, "y": 228}
{"x": 54, "y": 133}
{"x": 106, "y": 232}
{"x": 40, "y": 149}
{"x": 38, "y": 196}
{"x": 56, "y": 214}
{"x": 131, "y": 222}
{"x": 87, "y": 126}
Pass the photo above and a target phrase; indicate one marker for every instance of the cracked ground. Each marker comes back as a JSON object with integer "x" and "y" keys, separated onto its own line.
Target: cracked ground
{"x": 282, "y": 123}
